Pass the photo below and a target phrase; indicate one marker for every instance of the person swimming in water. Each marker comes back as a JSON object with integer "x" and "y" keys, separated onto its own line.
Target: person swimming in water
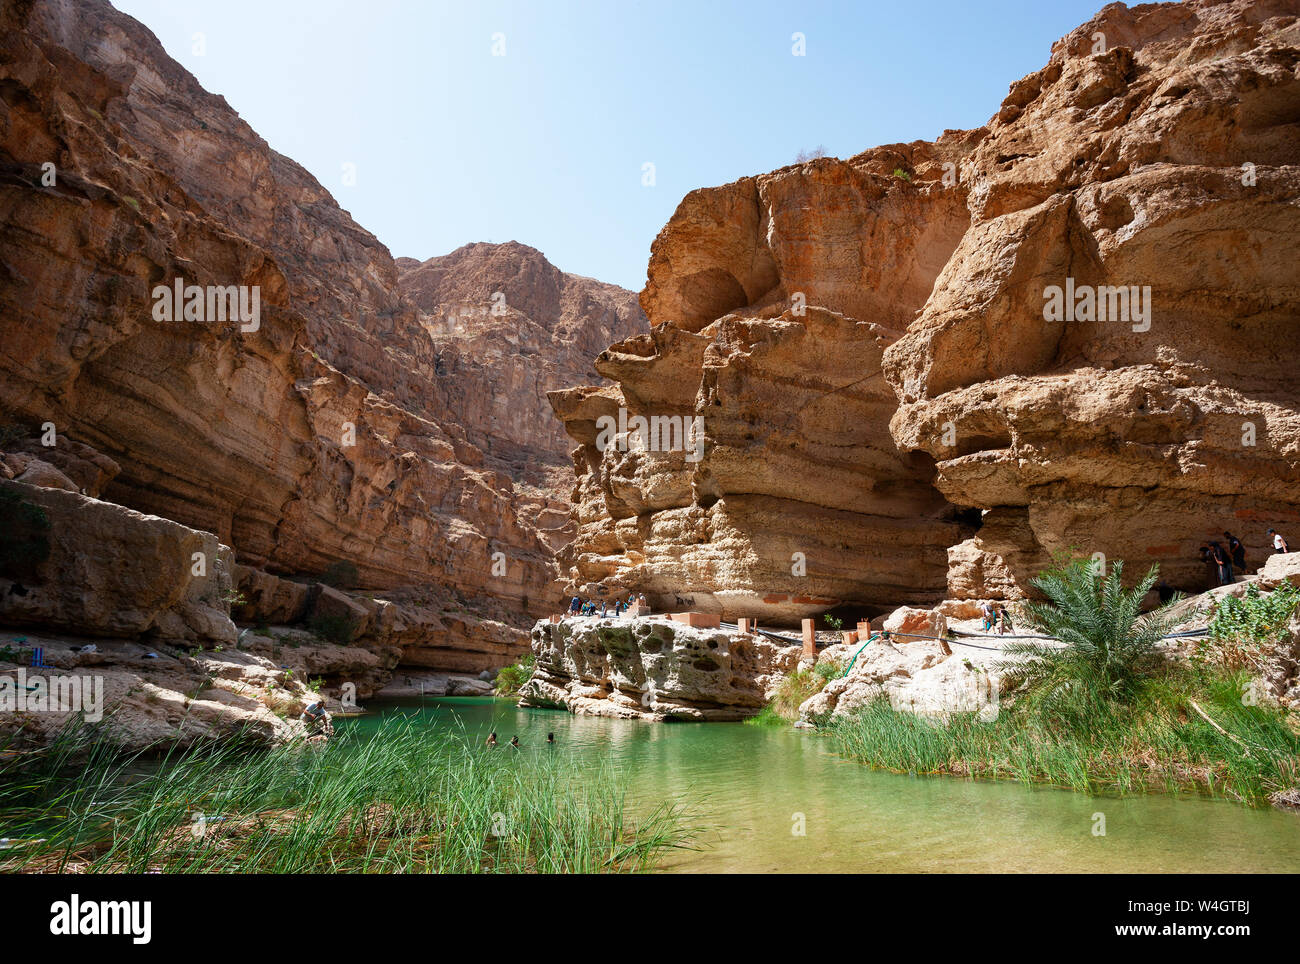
{"x": 514, "y": 741}
{"x": 492, "y": 738}
{"x": 550, "y": 739}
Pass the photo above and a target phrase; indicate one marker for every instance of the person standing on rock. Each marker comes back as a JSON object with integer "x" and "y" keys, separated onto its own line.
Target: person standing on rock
{"x": 1004, "y": 617}
{"x": 1211, "y": 570}
{"x": 575, "y": 605}
{"x": 1237, "y": 551}
{"x": 990, "y": 615}
{"x": 1222, "y": 564}
{"x": 1279, "y": 544}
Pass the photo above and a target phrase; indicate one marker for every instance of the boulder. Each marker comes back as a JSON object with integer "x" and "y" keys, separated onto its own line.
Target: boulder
{"x": 269, "y": 599}
{"x": 467, "y": 686}
{"x": 1280, "y": 568}
{"x": 651, "y": 669}
{"x": 960, "y": 610}
{"x": 337, "y": 614}
{"x": 921, "y": 677}
{"x": 111, "y": 571}
{"x": 42, "y": 473}
{"x": 906, "y": 622}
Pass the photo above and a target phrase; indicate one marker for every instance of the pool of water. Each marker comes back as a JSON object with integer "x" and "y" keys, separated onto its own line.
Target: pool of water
{"x": 760, "y": 786}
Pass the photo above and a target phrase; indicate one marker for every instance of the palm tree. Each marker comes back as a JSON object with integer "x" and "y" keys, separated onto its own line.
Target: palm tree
{"x": 1109, "y": 645}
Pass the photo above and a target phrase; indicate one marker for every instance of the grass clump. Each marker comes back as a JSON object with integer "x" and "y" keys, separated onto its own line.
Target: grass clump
{"x": 1156, "y": 742}
{"x": 1103, "y": 713}
{"x": 511, "y": 679}
{"x": 1245, "y": 628}
{"x": 400, "y": 800}
{"x": 793, "y": 691}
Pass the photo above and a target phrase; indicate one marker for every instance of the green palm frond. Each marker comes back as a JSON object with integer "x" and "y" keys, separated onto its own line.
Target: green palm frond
{"x": 1109, "y": 645}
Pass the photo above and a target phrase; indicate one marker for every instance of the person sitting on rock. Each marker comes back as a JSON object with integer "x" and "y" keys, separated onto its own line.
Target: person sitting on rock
{"x": 316, "y": 719}
{"x": 1279, "y": 544}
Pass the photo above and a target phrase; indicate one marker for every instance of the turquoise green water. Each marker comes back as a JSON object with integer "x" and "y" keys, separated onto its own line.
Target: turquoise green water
{"x": 759, "y": 786}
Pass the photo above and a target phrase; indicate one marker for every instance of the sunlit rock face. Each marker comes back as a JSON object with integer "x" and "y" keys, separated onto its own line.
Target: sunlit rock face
{"x": 880, "y": 380}
{"x": 788, "y": 496}
{"x": 652, "y": 669}
{"x": 1167, "y": 164}
{"x": 507, "y": 327}
{"x": 338, "y": 425}
{"x": 773, "y": 300}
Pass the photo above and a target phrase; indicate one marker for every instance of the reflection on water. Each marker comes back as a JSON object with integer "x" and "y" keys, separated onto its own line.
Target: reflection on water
{"x": 753, "y": 783}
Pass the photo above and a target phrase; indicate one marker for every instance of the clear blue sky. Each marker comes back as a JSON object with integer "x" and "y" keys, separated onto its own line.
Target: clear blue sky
{"x": 545, "y": 145}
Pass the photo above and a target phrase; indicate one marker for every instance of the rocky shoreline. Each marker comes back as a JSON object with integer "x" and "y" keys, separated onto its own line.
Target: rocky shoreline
{"x": 656, "y": 669}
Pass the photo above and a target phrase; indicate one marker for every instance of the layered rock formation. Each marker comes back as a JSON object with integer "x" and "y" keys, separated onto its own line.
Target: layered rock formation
{"x": 508, "y": 327}
{"x": 785, "y": 495}
{"x": 311, "y": 439}
{"x": 869, "y": 344}
{"x": 651, "y": 669}
{"x": 1166, "y": 164}
{"x": 339, "y": 425}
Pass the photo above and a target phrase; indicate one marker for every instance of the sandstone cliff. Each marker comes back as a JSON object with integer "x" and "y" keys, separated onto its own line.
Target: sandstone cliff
{"x": 867, "y": 346}
{"x": 341, "y": 427}
{"x": 508, "y": 327}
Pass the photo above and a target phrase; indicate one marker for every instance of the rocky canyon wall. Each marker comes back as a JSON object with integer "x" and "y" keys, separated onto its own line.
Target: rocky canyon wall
{"x": 886, "y": 411}
{"x": 508, "y": 327}
{"x": 1165, "y": 166}
{"x": 342, "y": 426}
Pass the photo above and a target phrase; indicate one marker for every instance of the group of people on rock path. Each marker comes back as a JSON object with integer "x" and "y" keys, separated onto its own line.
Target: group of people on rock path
{"x": 589, "y": 607}
{"x": 996, "y": 617}
{"x": 1225, "y": 560}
